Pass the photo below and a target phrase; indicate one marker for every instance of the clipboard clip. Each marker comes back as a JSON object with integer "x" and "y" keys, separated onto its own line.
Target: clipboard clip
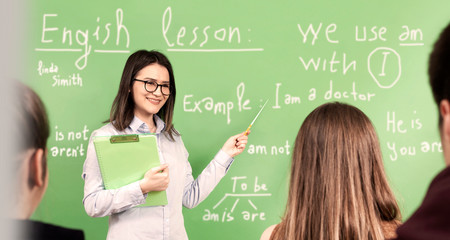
{"x": 124, "y": 138}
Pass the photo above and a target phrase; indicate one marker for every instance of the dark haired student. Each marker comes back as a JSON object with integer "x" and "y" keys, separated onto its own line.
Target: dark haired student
{"x": 145, "y": 104}
{"x": 32, "y": 130}
{"x": 432, "y": 219}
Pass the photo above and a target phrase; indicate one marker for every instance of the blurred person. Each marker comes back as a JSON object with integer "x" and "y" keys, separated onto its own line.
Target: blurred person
{"x": 32, "y": 128}
{"x": 431, "y": 219}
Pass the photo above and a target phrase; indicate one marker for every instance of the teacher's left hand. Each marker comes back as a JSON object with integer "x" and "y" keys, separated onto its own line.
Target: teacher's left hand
{"x": 235, "y": 145}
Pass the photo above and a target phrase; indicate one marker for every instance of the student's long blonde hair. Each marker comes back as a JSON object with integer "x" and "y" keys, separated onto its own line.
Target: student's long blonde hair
{"x": 338, "y": 187}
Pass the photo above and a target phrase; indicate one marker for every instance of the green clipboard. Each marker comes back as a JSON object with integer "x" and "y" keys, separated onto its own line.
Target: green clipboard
{"x": 124, "y": 159}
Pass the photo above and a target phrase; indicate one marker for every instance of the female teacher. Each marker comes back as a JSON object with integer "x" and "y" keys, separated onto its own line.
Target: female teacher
{"x": 144, "y": 104}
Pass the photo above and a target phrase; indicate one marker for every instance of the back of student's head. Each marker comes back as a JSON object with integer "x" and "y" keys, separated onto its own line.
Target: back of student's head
{"x": 31, "y": 123}
{"x": 338, "y": 188}
{"x": 439, "y": 68}
{"x": 33, "y": 119}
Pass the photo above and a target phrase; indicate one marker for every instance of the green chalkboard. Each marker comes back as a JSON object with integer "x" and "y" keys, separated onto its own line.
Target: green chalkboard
{"x": 228, "y": 58}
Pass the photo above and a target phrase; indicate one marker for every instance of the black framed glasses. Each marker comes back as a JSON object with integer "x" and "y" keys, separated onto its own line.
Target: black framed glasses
{"x": 151, "y": 86}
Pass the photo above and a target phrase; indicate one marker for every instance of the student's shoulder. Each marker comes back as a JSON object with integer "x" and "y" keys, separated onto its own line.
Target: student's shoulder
{"x": 268, "y": 232}
{"x": 41, "y": 230}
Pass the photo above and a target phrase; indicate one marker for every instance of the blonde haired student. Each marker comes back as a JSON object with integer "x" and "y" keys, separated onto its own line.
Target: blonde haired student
{"x": 338, "y": 188}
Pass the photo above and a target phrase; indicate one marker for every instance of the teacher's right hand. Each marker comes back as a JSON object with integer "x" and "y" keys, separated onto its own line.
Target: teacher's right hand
{"x": 155, "y": 179}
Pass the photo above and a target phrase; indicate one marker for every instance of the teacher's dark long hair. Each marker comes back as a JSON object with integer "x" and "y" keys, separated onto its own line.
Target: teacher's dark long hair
{"x": 122, "y": 110}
